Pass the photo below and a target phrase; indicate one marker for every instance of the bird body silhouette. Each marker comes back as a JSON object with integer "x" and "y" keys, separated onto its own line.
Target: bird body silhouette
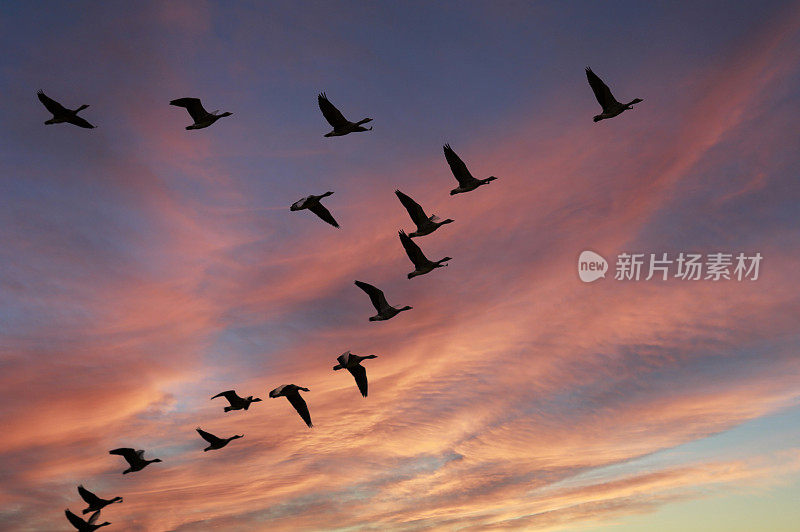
{"x": 313, "y": 204}
{"x": 201, "y": 117}
{"x": 425, "y": 224}
{"x": 215, "y": 442}
{"x": 63, "y": 115}
{"x": 341, "y": 125}
{"x": 611, "y": 107}
{"x": 134, "y": 458}
{"x": 95, "y": 503}
{"x": 236, "y": 402}
{"x": 352, "y": 363}
{"x": 466, "y": 182}
{"x": 422, "y": 264}
{"x": 385, "y": 310}
{"x": 292, "y": 393}
{"x": 85, "y": 526}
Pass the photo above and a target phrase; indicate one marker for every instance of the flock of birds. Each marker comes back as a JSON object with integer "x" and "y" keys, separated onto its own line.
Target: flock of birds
{"x": 425, "y": 225}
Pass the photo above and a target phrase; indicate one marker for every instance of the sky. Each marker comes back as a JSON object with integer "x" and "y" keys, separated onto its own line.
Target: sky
{"x": 145, "y": 268}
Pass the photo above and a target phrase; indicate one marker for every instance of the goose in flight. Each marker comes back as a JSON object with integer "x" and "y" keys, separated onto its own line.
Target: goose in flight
{"x": 85, "y": 526}
{"x": 425, "y": 224}
{"x": 61, "y": 114}
{"x": 134, "y": 458}
{"x": 421, "y": 263}
{"x": 237, "y": 403}
{"x": 611, "y": 107}
{"x": 95, "y": 503}
{"x": 341, "y": 125}
{"x": 201, "y": 117}
{"x": 352, "y": 363}
{"x": 466, "y": 182}
{"x": 215, "y": 442}
{"x": 313, "y": 204}
{"x": 292, "y": 393}
{"x": 385, "y": 311}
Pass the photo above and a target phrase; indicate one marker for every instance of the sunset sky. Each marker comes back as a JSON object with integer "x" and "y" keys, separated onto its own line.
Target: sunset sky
{"x": 145, "y": 268}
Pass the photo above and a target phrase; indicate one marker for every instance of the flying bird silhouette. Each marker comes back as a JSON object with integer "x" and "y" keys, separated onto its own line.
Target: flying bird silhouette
{"x": 425, "y": 224}
{"x": 611, "y": 107}
{"x": 236, "y": 402}
{"x": 466, "y": 182}
{"x": 292, "y": 393}
{"x": 85, "y": 526}
{"x": 385, "y": 310}
{"x": 134, "y": 458}
{"x": 61, "y": 114}
{"x": 201, "y": 117}
{"x": 421, "y": 263}
{"x": 215, "y": 442}
{"x": 313, "y": 204}
{"x": 341, "y": 125}
{"x": 352, "y": 363}
{"x": 95, "y": 503}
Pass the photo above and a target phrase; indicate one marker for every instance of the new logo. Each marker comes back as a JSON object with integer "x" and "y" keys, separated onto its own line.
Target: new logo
{"x": 591, "y": 266}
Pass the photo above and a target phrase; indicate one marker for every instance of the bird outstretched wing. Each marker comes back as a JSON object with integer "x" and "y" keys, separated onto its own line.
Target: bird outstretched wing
{"x": 88, "y": 496}
{"x": 412, "y": 250}
{"x": 359, "y": 372}
{"x": 127, "y": 453}
{"x": 334, "y": 117}
{"x": 375, "y": 295}
{"x": 300, "y": 405}
{"x": 457, "y": 166}
{"x": 320, "y": 210}
{"x": 414, "y": 209}
{"x": 76, "y": 521}
{"x": 601, "y": 91}
{"x": 210, "y": 438}
{"x": 230, "y": 395}
{"x": 51, "y": 105}
{"x": 80, "y": 122}
{"x": 193, "y": 105}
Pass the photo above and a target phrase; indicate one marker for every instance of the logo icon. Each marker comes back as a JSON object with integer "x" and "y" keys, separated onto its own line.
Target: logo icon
{"x": 591, "y": 266}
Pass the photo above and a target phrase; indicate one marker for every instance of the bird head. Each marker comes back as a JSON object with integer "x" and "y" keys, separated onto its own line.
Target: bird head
{"x": 253, "y": 399}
